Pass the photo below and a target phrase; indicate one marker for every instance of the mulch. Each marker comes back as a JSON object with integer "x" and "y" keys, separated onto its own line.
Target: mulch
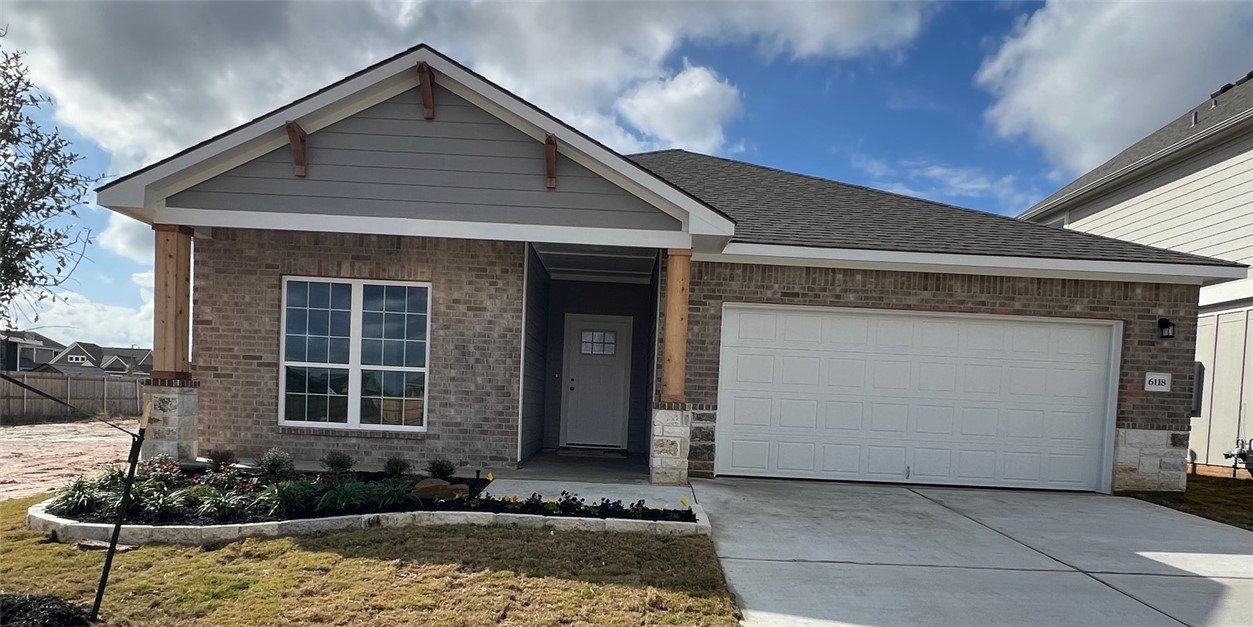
{"x": 27, "y": 610}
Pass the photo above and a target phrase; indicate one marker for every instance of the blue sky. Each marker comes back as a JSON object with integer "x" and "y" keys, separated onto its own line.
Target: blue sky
{"x": 986, "y": 105}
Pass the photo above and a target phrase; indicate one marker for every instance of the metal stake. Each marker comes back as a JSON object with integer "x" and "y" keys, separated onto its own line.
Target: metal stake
{"x": 137, "y": 441}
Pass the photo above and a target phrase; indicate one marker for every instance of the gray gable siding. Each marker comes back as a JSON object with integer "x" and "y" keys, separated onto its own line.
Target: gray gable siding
{"x": 387, "y": 161}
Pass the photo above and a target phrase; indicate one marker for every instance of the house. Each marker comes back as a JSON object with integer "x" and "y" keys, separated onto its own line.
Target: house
{"x": 89, "y": 359}
{"x": 1188, "y": 187}
{"x": 413, "y": 260}
{"x": 27, "y": 350}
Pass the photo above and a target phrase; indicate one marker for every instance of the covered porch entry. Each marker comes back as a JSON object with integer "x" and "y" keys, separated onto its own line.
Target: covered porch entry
{"x": 589, "y": 355}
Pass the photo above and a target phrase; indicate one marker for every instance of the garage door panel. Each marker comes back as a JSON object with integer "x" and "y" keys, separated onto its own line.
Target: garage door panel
{"x": 976, "y": 402}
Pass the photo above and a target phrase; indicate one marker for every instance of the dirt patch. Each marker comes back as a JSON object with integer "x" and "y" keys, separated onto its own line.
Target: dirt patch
{"x": 40, "y": 458}
{"x": 1223, "y": 499}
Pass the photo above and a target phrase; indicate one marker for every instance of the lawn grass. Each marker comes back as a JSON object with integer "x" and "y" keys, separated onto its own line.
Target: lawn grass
{"x": 423, "y": 575}
{"x": 1224, "y": 499}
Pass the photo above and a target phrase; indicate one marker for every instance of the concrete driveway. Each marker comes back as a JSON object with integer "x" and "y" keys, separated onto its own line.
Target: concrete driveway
{"x": 817, "y": 553}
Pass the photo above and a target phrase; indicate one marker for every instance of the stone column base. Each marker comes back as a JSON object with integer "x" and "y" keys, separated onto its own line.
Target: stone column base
{"x": 1150, "y": 460}
{"x": 172, "y": 424}
{"x": 671, "y": 436}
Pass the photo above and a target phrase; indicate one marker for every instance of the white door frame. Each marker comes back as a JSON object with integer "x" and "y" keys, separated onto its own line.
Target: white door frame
{"x": 570, "y": 349}
{"x": 1115, "y": 361}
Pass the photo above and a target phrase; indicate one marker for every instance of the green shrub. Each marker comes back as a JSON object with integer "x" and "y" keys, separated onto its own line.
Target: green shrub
{"x": 154, "y": 500}
{"x": 224, "y": 478}
{"x": 338, "y": 462}
{"x": 395, "y": 465}
{"x": 276, "y": 465}
{"x": 111, "y": 478}
{"x": 441, "y": 468}
{"x": 287, "y": 498}
{"x": 223, "y": 506}
{"x": 79, "y": 497}
{"x": 222, "y": 456}
{"x": 343, "y": 496}
{"x": 387, "y": 494}
{"x": 194, "y": 495}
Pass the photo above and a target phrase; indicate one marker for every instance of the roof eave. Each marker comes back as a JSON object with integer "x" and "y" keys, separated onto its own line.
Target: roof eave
{"x": 998, "y": 265}
{"x": 1161, "y": 157}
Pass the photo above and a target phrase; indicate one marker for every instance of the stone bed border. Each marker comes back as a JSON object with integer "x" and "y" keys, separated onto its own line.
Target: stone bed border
{"x": 69, "y": 531}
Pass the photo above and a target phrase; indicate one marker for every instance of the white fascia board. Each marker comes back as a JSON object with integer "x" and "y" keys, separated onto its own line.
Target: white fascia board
{"x": 640, "y": 238}
{"x": 135, "y": 197}
{"x": 1216, "y": 295}
{"x": 974, "y": 264}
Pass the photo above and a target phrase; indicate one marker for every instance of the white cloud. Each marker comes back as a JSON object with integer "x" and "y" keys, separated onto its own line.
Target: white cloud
{"x": 147, "y": 79}
{"x": 73, "y": 317}
{"x": 959, "y": 185}
{"x": 129, "y": 238}
{"x": 688, "y": 109}
{"x": 1083, "y": 81}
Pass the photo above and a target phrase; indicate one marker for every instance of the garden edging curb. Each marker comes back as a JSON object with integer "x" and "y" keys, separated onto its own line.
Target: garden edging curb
{"x": 69, "y": 531}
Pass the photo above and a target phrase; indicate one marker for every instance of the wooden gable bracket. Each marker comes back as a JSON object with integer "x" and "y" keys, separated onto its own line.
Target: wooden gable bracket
{"x": 298, "y": 139}
{"x": 426, "y": 84}
{"x": 550, "y": 159}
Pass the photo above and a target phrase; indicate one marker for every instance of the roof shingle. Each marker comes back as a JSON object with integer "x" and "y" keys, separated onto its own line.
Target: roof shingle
{"x": 772, "y": 206}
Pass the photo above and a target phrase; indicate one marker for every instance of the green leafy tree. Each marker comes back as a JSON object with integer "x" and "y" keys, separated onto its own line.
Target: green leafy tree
{"x": 41, "y": 240}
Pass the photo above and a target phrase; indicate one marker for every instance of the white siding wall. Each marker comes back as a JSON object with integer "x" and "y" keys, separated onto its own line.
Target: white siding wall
{"x": 1203, "y": 206}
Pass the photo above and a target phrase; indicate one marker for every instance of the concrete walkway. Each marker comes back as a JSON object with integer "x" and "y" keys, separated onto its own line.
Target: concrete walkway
{"x": 817, "y": 553}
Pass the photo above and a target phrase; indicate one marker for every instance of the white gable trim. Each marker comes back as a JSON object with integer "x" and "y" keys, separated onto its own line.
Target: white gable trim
{"x": 67, "y": 350}
{"x": 973, "y": 264}
{"x": 423, "y": 228}
{"x": 140, "y": 195}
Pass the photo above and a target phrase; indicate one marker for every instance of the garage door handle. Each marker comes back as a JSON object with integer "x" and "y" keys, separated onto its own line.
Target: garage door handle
{"x": 907, "y": 472}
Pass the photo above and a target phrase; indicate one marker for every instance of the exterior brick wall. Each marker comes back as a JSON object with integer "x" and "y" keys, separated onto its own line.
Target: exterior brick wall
{"x": 476, "y": 322}
{"x": 1138, "y": 305}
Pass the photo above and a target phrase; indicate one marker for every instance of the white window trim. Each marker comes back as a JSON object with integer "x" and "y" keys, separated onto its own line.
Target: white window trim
{"x": 76, "y": 359}
{"x": 354, "y": 365}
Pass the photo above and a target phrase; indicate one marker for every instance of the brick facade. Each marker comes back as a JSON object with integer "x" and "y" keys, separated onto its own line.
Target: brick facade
{"x": 476, "y": 322}
{"x": 1138, "y": 305}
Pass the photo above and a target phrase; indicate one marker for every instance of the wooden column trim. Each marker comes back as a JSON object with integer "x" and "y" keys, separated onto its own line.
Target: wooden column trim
{"x": 550, "y": 161}
{"x": 426, "y": 85}
{"x": 674, "y": 338}
{"x": 298, "y": 139}
{"x": 171, "y": 333}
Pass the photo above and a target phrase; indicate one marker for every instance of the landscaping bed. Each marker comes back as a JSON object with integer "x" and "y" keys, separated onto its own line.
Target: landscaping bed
{"x": 167, "y": 493}
{"x": 435, "y": 576}
{"x": 1224, "y": 499}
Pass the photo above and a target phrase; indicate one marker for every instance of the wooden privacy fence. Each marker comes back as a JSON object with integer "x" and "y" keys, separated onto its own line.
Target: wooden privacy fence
{"x": 112, "y": 395}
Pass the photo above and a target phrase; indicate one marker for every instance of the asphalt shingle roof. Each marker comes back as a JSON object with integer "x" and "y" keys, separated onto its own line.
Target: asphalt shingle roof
{"x": 1215, "y": 110}
{"x": 773, "y": 206}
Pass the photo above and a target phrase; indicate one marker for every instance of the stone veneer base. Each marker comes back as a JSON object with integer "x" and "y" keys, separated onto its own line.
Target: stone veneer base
{"x": 68, "y": 531}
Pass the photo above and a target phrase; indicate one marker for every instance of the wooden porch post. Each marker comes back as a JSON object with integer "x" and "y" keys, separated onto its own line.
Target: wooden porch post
{"x": 172, "y": 302}
{"x": 674, "y": 342}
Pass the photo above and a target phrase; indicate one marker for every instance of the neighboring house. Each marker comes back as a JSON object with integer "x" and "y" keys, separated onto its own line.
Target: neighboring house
{"x": 1188, "y": 187}
{"x": 416, "y": 261}
{"x": 86, "y": 358}
{"x": 27, "y": 350}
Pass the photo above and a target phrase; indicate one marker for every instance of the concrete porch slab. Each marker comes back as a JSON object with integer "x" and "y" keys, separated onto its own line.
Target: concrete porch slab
{"x": 656, "y": 496}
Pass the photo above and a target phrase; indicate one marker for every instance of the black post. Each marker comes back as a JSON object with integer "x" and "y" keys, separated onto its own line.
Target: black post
{"x": 137, "y": 441}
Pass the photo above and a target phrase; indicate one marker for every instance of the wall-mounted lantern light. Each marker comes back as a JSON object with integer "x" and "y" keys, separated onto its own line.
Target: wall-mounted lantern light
{"x": 1167, "y": 327}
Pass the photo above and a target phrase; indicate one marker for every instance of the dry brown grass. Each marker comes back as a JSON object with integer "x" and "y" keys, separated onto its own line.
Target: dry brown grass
{"x": 420, "y": 576}
{"x": 1223, "y": 499}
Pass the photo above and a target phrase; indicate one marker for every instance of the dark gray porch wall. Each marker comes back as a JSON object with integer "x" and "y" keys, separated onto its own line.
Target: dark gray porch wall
{"x": 465, "y": 165}
{"x": 534, "y": 355}
{"x": 621, "y": 299}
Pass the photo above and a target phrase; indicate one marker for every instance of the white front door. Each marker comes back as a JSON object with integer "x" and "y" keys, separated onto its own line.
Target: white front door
{"x": 596, "y": 381}
{"x": 905, "y": 397}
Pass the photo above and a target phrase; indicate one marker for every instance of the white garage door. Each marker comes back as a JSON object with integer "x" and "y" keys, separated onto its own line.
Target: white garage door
{"x": 869, "y": 395}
